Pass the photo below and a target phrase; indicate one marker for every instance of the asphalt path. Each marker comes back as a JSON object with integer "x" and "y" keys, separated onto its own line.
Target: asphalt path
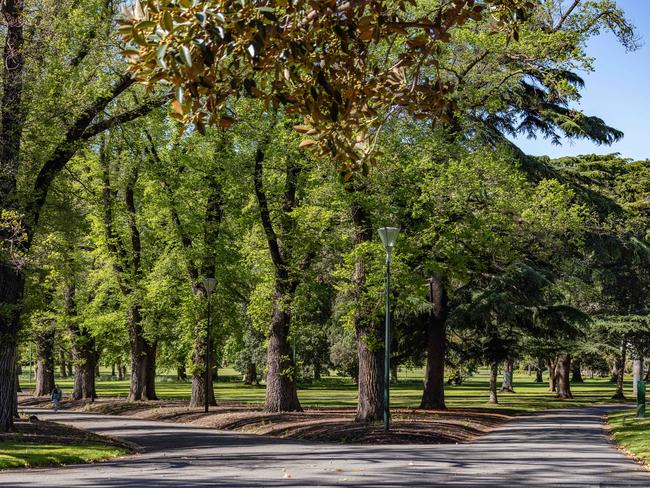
{"x": 566, "y": 447}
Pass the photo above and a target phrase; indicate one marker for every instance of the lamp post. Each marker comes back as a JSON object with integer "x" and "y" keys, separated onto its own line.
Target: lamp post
{"x": 388, "y": 236}
{"x": 208, "y": 283}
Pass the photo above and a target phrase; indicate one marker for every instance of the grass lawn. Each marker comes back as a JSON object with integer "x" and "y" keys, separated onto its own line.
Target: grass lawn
{"x": 631, "y": 433}
{"x": 16, "y": 454}
{"x": 333, "y": 391}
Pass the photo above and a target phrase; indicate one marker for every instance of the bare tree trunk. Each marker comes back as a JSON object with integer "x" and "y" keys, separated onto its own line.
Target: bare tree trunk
{"x": 251, "y": 374}
{"x": 83, "y": 350}
{"x": 614, "y": 371}
{"x": 539, "y": 371}
{"x": 620, "y": 368}
{"x": 143, "y": 361}
{"x": 370, "y": 406}
{"x": 281, "y": 393}
{"x": 393, "y": 373}
{"x": 508, "y": 372}
{"x": 563, "y": 372}
{"x": 63, "y": 372}
{"x": 494, "y": 373}
{"x": 576, "y": 372}
{"x": 45, "y": 361}
{"x": 200, "y": 369}
{"x": 369, "y": 333}
{"x": 181, "y": 373}
{"x": 433, "y": 395}
{"x": 552, "y": 375}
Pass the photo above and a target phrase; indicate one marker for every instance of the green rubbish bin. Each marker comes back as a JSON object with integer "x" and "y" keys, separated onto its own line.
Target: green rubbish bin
{"x": 640, "y": 399}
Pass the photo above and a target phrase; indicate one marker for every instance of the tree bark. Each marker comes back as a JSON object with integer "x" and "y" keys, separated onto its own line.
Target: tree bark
{"x": 83, "y": 349}
{"x": 494, "y": 373}
{"x": 563, "y": 372}
{"x": 576, "y": 372}
{"x": 508, "y": 372}
{"x": 251, "y": 374}
{"x": 539, "y": 371}
{"x": 369, "y": 331}
{"x": 181, "y": 373}
{"x": 200, "y": 369}
{"x": 143, "y": 360}
{"x": 614, "y": 371}
{"x": 552, "y": 375}
{"x": 620, "y": 368}
{"x": 12, "y": 279}
{"x": 433, "y": 396}
{"x": 281, "y": 392}
{"x": 45, "y": 361}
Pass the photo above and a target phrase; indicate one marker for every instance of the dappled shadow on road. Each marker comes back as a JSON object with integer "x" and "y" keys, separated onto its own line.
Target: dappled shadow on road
{"x": 552, "y": 448}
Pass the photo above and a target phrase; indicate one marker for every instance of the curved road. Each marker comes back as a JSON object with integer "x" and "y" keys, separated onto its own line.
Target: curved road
{"x": 550, "y": 448}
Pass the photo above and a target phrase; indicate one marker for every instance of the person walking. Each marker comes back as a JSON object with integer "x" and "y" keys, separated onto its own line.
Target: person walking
{"x": 57, "y": 394}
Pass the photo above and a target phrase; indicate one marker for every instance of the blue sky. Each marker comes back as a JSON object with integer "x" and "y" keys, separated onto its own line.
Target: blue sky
{"x": 618, "y": 92}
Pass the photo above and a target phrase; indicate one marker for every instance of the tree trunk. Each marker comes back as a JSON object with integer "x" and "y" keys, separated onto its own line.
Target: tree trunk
{"x": 370, "y": 406}
{"x": 539, "y": 371}
{"x": 45, "y": 362}
{"x": 281, "y": 393}
{"x": 393, "y": 373}
{"x": 199, "y": 371}
{"x": 552, "y": 375}
{"x": 508, "y": 372}
{"x": 614, "y": 371}
{"x": 121, "y": 372}
{"x": 142, "y": 364}
{"x": 494, "y": 373}
{"x": 368, "y": 331}
{"x": 83, "y": 350}
{"x": 433, "y": 395}
{"x": 251, "y": 374}
{"x": 68, "y": 366}
{"x": 63, "y": 371}
{"x": 576, "y": 372}
{"x": 562, "y": 375}
{"x": 563, "y": 372}
{"x": 620, "y": 368}
{"x": 637, "y": 374}
{"x": 181, "y": 373}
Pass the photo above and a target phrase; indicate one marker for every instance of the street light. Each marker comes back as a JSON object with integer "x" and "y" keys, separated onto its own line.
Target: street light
{"x": 388, "y": 236}
{"x": 209, "y": 284}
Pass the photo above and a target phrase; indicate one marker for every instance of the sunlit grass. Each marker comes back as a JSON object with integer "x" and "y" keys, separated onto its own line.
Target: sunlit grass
{"x": 334, "y": 391}
{"x": 15, "y": 454}
{"x": 631, "y": 433}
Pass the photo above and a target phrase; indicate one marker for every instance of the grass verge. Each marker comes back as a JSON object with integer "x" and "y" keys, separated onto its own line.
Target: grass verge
{"x": 631, "y": 433}
{"x": 19, "y": 454}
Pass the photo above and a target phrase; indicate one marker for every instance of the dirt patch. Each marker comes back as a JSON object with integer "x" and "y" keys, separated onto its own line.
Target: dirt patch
{"x": 34, "y": 431}
{"x": 314, "y": 424}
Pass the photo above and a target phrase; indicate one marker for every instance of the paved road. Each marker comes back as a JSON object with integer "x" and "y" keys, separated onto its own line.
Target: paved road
{"x": 551, "y": 448}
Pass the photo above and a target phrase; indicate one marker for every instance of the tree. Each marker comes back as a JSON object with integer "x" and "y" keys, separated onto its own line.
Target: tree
{"x": 53, "y": 139}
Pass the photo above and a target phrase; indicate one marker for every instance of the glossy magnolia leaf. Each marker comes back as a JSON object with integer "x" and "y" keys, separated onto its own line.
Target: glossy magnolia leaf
{"x": 307, "y": 143}
{"x": 298, "y": 55}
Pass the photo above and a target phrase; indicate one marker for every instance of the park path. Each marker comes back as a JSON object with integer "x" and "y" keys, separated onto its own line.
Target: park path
{"x": 550, "y": 448}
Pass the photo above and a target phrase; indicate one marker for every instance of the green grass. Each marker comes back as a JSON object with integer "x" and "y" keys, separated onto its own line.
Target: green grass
{"x": 631, "y": 433}
{"x": 338, "y": 391}
{"x": 16, "y": 454}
